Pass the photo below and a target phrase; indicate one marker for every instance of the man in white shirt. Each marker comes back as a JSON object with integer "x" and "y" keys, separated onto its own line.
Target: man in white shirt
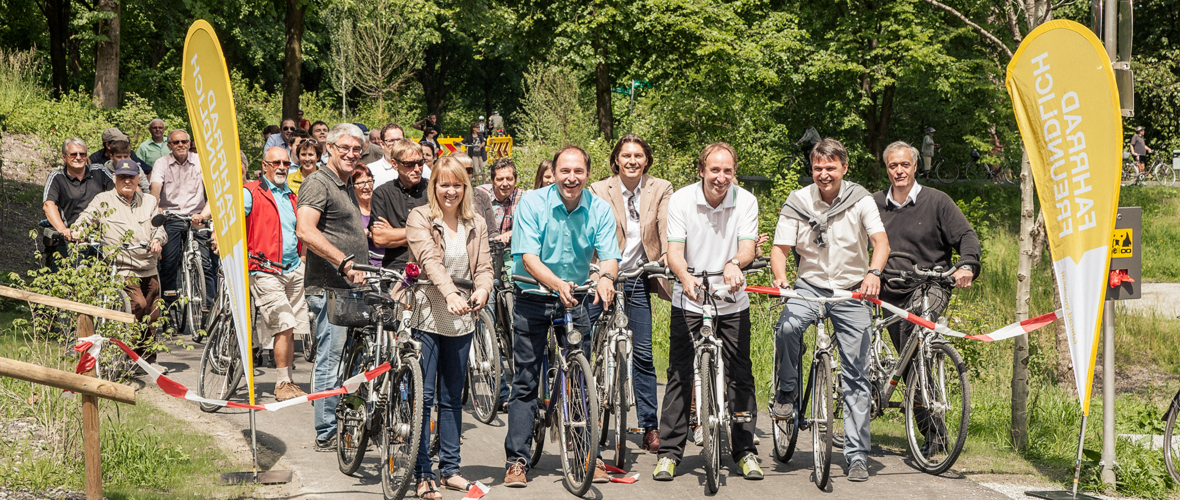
{"x": 829, "y": 225}
{"x": 712, "y": 226}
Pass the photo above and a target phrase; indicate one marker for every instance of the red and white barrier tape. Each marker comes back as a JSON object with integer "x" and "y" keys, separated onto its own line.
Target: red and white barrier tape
{"x": 1015, "y": 329}
{"x": 90, "y": 347}
{"x": 478, "y": 490}
{"x": 177, "y": 390}
{"x": 615, "y": 470}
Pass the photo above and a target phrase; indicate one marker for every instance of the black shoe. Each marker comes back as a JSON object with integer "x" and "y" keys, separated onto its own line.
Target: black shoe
{"x": 326, "y": 444}
{"x": 858, "y": 471}
{"x": 783, "y": 408}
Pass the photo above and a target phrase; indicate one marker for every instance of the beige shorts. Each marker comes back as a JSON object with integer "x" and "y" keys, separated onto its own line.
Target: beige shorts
{"x": 279, "y": 301}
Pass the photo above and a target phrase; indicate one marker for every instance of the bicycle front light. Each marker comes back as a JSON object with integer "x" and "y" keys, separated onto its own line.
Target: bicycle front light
{"x": 574, "y": 337}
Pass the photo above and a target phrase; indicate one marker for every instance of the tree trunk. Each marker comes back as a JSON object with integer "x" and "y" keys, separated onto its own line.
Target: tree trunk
{"x": 877, "y": 117}
{"x": 1027, "y": 237}
{"x": 106, "y": 58}
{"x": 433, "y": 75}
{"x": 293, "y": 62}
{"x": 57, "y": 16}
{"x": 602, "y": 93}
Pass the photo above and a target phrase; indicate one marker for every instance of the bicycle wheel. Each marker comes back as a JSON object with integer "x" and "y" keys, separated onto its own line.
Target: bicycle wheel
{"x": 603, "y": 381}
{"x": 619, "y": 405}
{"x": 937, "y": 409}
{"x": 352, "y": 413}
{"x": 1164, "y": 174}
{"x": 946, "y": 172}
{"x": 578, "y": 424}
{"x": 785, "y": 433}
{"x": 401, "y": 434}
{"x": 309, "y": 342}
{"x": 220, "y": 369}
{"x": 1130, "y": 174}
{"x": 483, "y": 370}
{"x": 1172, "y": 451}
{"x": 707, "y": 408}
{"x": 541, "y": 418}
{"x": 822, "y": 416}
{"x": 195, "y": 291}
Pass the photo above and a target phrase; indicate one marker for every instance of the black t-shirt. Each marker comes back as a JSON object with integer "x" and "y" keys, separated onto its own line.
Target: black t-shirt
{"x": 73, "y": 195}
{"x": 394, "y": 202}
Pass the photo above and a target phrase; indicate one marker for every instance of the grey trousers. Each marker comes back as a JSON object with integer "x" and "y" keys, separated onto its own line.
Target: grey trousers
{"x": 852, "y": 321}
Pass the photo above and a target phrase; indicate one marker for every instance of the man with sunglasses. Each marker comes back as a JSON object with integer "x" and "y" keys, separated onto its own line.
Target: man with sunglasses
{"x": 177, "y": 182}
{"x": 382, "y": 169}
{"x": 393, "y": 201}
{"x": 283, "y": 138}
{"x": 67, "y": 193}
{"x": 278, "y": 292}
{"x": 154, "y": 148}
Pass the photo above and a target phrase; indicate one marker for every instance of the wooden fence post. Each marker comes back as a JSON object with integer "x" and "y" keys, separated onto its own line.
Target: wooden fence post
{"x": 91, "y": 438}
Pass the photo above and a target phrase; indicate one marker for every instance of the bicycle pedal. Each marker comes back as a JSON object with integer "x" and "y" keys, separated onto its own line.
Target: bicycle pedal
{"x": 637, "y": 431}
{"x": 743, "y": 417}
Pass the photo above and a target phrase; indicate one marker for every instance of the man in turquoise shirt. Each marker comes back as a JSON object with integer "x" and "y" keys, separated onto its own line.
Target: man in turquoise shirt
{"x": 555, "y": 232}
{"x": 155, "y": 148}
{"x": 276, "y": 273}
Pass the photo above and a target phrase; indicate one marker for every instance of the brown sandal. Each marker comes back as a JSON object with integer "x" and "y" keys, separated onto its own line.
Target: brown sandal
{"x": 427, "y": 487}
{"x": 465, "y": 488}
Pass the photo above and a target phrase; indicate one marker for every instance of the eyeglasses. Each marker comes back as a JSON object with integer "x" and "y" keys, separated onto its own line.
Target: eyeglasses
{"x": 902, "y": 164}
{"x": 76, "y": 155}
{"x": 284, "y": 163}
{"x": 179, "y": 141}
{"x": 363, "y": 184}
{"x": 288, "y": 129}
{"x": 355, "y": 151}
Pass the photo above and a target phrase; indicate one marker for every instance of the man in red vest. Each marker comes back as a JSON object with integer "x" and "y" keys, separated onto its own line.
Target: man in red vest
{"x": 276, "y": 271}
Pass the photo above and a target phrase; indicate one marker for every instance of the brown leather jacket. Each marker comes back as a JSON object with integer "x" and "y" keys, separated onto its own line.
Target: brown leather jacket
{"x": 426, "y": 238}
{"x": 653, "y": 219}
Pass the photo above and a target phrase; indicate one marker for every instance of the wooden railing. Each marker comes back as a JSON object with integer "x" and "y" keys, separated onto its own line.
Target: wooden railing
{"x": 86, "y": 384}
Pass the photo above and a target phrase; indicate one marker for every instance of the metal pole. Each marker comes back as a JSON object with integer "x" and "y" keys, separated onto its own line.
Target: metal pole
{"x": 1077, "y": 471}
{"x": 1108, "y": 377}
{"x": 1110, "y": 10}
{"x": 254, "y": 445}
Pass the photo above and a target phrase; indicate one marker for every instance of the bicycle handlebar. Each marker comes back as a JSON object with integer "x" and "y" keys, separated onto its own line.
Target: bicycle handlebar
{"x": 583, "y": 289}
{"x": 935, "y": 274}
{"x": 392, "y": 275}
{"x": 267, "y": 263}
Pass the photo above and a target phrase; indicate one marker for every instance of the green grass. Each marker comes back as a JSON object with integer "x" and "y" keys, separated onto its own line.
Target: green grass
{"x": 146, "y": 453}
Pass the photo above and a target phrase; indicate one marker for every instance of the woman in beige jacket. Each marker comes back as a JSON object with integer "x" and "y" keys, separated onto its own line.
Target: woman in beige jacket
{"x": 449, "y": 241}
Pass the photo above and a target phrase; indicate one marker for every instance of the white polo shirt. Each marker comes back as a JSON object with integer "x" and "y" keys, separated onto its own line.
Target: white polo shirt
{"x": 710, "y": 236}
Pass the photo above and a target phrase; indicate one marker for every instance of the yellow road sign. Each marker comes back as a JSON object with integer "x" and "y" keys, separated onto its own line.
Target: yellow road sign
{"x": 1120, "y": 244}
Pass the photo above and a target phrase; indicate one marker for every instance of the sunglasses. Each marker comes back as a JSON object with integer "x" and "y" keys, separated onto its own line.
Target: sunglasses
{"x": 284, "y": 163}
{"x": 288, "y": 129}
{"x": 412, "y": 164}
{"x": 180, "y": 141}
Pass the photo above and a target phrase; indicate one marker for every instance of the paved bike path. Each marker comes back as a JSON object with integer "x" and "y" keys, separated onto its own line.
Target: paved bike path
{"x": 288, "y": 434}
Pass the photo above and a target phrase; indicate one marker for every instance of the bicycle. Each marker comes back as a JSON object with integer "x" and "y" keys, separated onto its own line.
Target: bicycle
{"x": 1130, "y": 173}
{"x": 502, "y": 291}
{"x": 1160, "y": 170}
{"x": 946, "y": 173}
{"x": 929, "y": 402}
{"x": 1172, "y": 451}
{"x": 611, "y": 350}
{"x": 221, "y": 368}
{"x": 188, "y": 310}
{"x": 998, "y": 173}
{"x": 709, "y": 372}
{"x": 568, "y": 400}
{"x": 491, "y": 347}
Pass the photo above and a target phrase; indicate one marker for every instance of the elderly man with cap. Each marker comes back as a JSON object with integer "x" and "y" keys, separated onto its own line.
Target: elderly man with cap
{"x": 276, "y": 273}
{"x": 179, "y": 185}
{"x": 102, "y": 156}
{"x": 124, "y": 215}
{"x": 153, "y": 148}
{"x": 67, "y": 193}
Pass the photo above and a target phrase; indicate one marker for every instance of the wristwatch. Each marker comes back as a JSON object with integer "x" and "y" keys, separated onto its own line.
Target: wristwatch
{"x": 875, "y": 272}
{"x": 735, "y": 262}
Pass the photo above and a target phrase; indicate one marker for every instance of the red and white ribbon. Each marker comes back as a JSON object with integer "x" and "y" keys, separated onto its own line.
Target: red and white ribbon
{"x": 90, "y": 347}
{"x": 478, "y": 490}
{"x": 615, "y": 470}
{"x": 1012, "y": 330}
{"x": 177, "y": 390}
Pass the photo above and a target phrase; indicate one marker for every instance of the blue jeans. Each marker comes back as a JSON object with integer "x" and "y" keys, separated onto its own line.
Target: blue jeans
{"x": 852, "y": 321}
{"x": 444, "y": 369}
{"x": 329, "y": 347}
{"x": 531, "y": 318}
{"x": 638, "y": 308}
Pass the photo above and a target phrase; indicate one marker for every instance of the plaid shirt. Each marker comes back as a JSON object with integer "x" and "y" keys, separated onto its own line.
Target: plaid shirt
{"x": 503, "y": 209}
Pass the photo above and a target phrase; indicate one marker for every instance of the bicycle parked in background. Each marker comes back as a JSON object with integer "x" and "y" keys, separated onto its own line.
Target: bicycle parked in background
{"x": 998, "y": 172}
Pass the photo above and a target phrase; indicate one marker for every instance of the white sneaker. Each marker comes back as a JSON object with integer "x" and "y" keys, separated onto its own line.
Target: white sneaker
{"x": 698, "y": 437}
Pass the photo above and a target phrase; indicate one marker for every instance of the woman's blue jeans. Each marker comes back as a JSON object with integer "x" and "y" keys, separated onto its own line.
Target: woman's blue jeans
{"x": 444, "y": 369}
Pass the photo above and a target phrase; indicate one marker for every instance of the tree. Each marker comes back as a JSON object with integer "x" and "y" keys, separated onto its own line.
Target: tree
{"x": 293, "y": 57}
{"x": 341, "y": 64}
{"x": 106, "y": 59}
{"x": 57, "y": 16}
{"x": 390, "y": 38}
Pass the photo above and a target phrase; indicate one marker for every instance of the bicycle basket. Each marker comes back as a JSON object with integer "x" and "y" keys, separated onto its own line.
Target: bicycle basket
{"x": 346, "y": 307}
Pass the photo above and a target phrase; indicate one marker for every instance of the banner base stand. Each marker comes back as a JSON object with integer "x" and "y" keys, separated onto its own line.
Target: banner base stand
{"x": 265, "y": 477}
{"x": 1048, "y": 495}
